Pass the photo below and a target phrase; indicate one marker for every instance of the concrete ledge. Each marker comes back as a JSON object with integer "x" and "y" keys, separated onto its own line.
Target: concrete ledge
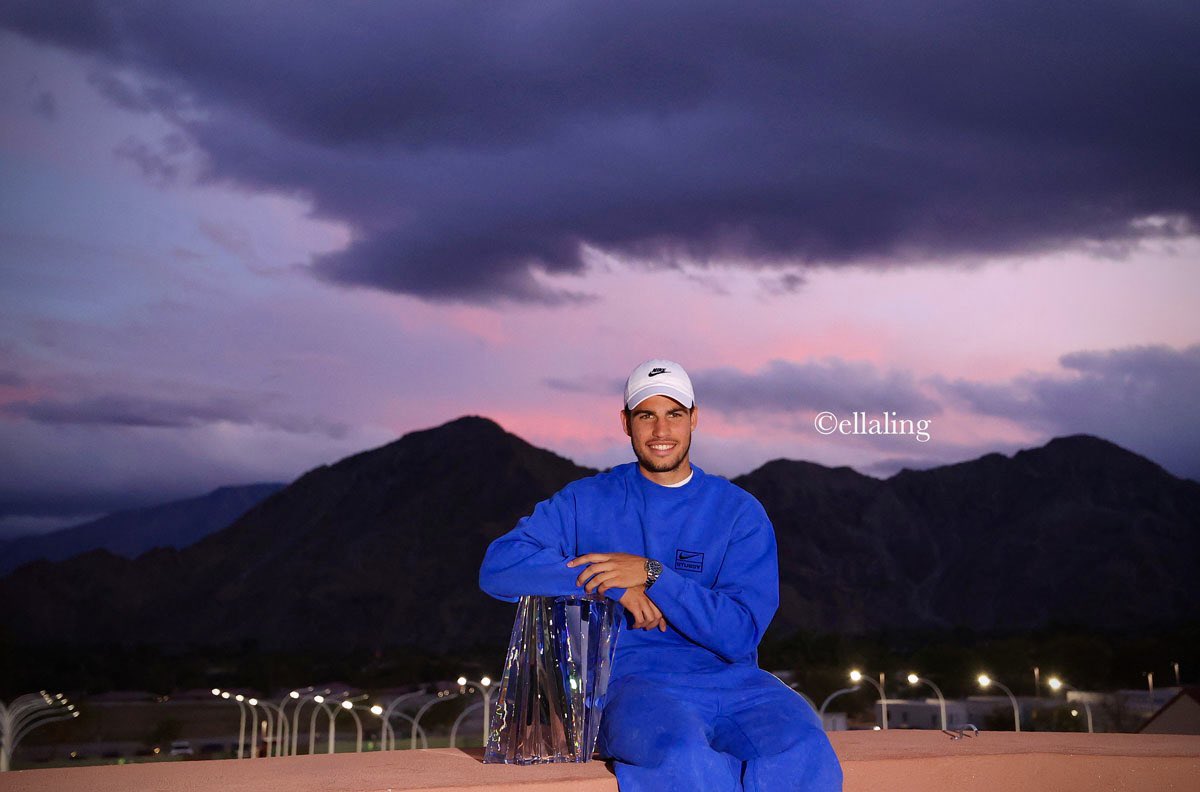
{"x": 894, "y": 761}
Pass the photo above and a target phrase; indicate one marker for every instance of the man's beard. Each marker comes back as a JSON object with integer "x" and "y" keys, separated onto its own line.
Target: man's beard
{"x": 661, "y": 465}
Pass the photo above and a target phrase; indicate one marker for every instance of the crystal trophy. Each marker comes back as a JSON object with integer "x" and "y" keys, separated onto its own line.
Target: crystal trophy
{"x": 556, "y": 674}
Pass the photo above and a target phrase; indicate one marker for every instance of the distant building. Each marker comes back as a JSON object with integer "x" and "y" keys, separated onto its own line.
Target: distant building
{"x": 917, "y": 714}
{"x": 1180, "y": 715}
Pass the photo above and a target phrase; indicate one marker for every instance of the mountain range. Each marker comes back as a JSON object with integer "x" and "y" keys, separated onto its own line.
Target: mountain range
{"x": 382, "y": 549}
{"x": 131, "y": 532}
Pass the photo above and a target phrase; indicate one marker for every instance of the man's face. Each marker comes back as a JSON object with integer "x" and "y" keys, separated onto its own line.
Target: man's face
{"x": 660, "y": 430}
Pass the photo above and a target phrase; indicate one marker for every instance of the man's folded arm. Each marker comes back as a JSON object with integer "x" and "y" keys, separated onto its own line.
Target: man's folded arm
{"x": 730, "y": 618}
{"x": 532, "y": 557}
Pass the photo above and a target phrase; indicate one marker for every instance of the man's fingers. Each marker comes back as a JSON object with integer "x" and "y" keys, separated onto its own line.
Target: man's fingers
{"x": 587, "y": 558}
{"x": 590, "y": 570}
{"x": 600, "y": 578}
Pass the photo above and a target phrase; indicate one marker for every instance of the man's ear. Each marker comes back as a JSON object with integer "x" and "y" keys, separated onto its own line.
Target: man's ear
{"x": 695, "y": 416}
{"x": 625, "y": 423}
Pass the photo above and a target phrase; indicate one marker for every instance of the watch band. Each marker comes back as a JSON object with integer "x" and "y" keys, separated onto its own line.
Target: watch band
{"x": 653, "y": 570}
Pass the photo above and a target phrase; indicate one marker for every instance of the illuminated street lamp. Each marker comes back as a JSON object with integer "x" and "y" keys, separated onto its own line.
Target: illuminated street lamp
{"x": 319, "y": 700}
{"x": 296, "y": 717}
{"x": 266, "y": 709}
{"x": 857, "y": 676}
{"x": 225, "y": 694}
{"x": 914, "y": 680}
{"x": 25, "y": 714}
{"x": 276, "y": 728}
{"x": 348, "y": 705}
{"x": 985, "y": 681}
{"x": 1056, "y": 683}
{"x": 282, "y": 739}
{"x": 484, "y": 688}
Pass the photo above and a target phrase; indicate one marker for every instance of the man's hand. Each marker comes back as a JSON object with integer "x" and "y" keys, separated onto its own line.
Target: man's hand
{"x": 646, "y": 615}
{"x": 610, "y": 570}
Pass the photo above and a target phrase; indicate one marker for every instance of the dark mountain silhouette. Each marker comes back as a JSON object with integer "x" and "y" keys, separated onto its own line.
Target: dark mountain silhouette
{"x": 1079, "y": 531}
{"x": 132, "y": 532}
{"x": 383, "y": 549}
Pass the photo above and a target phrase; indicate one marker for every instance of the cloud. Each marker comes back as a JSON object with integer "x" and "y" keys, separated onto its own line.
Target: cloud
{"x": 158, "y": 164}
{"x": 831, "y": 384}
{"x": 476, "y": 149}
{"x": 11, "y": 378}
{"x": 1143, "y": 397}
{"x": 784, "y": 386}
{"x": 134, "y": 410}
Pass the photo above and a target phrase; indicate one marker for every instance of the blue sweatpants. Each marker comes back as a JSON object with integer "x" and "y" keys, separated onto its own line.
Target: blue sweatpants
{"x": 739, "y": 728}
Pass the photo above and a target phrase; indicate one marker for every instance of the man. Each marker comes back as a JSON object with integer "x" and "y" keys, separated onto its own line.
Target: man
{"x": 692, "y": 559}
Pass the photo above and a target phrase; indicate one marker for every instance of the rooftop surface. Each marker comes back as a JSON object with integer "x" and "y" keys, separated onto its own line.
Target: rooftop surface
{"x": 893, "y": 761}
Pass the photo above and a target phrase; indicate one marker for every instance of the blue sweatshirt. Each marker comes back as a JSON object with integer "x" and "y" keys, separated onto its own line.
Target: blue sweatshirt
{"x": 719, "y": 587}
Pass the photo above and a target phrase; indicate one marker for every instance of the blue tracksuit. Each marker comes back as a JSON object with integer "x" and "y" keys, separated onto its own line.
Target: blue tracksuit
{"x": 688, "y": 708}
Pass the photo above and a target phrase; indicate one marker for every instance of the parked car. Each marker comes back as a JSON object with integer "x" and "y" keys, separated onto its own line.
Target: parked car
{"x": 182, "y": 748}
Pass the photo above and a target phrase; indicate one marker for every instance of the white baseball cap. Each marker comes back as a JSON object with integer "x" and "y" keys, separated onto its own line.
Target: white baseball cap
{"x": 658, "y": 378}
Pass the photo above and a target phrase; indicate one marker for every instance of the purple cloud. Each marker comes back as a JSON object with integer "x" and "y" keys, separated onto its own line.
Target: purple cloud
{"x": 472, "y": 147}
{"x": 133, "y": 410}
{"x": 1142, "y": 397}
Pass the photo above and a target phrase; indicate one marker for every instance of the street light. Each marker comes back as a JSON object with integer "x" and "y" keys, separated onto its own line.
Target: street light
{"x": 282, "y": 737}
{"x": 25, "y": 714}
{"x": 276, "y": 729}
{"x": 296, "y": 717}
{"x": 1056, "y": 683}
{"x": 270, "y": 721}
{"x": 225, "y": 694}
{"x": 483, "y": 686}
{"x": 914, "y": 680}
{"x": 319, "y": 700}
{"x": 348, "y": 705}
{"x": 857, "y": 676}
{"x": 985, "y": 680}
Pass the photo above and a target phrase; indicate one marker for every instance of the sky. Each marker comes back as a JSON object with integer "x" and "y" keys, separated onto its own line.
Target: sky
{"x": 239, "y": 241}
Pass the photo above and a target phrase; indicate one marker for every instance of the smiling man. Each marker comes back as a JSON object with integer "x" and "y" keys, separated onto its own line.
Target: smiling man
{"x": 692, "y": 559}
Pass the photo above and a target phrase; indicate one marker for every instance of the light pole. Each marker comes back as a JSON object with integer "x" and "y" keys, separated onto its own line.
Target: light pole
{"x": 985, "y": 680}
{"x": 312, "y": 724}
{"x": 348, "y": 705}
{"x": 276, "y": 729}
{"x": 458, "y": 720}
{"x": 387, "y": 717}
{"x": 266, "y": 710}
{"x": 225, "y": 694}
{"x": 1056, "y": 683}
{"x": 831, "y": 697}
{"x": 484, "y": 687}
{"x": 284, "y": 738}
{"x": 857, "y": 676}
{"x": 443, "y": 695}
{"x": 296, "y": 717}
{"x": 25, "y": 714}
{"x": 914, "y": 680}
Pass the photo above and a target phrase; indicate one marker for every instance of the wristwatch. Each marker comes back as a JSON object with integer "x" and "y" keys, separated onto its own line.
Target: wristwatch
{"x": 653, "y": 570}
